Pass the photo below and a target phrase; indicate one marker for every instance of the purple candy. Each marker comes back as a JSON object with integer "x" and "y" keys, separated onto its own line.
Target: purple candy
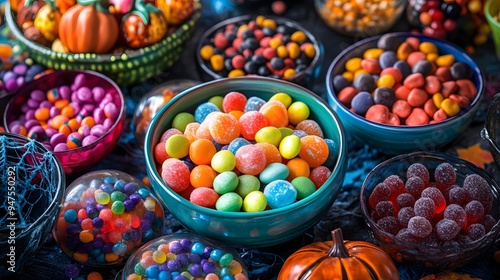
{"x": 84, "y": 94}
{"x": 106, "y": 99}
{"x": 54, "y": 111}
{"x": 57, "y": 138}
{"x": 61, "y": 147}
{"x": 20, "y": 69}
{"x": 90, "y": 201}
{"x": 75, "y": 106}
{"x": 72, "y": 271}
{"x": 47, "y": 145}
{"x": 111, "y": 111}
{"x": 79, "y": 81}
{"x": 50, "y": 132}
{"x": 15, "y": 128}
{"x": 108, "y": 123}
{"x": 84, "y": 130}
{"x": 163, "y": 267}
{"x": 129, "y": 205}
{"x": 98, "y": 242}
{"x": 107, "y": 248}
{"x": 89, "y": 107}
{"x": 20, "y": 81}
{"x": 134, "y": 197}
{"x": 145, "y": 225}
{"x": 97, "y": 222}
{"x": 11, "y": 85}
{"x": 98, "y": 130}
{"x": 46, "y": 104}
{"x": 135, "y": 234}
{"x": 100, "y": 207}
{"x": 30, "y": 115}
{"x": 65, "y": 92}
{"x": 31, "y": 123}
{"x": 99, "y": 116}
{"x": 9, "y": 75}
{"x": 38, "y": 95}
{"x": 88, "y": 140}
{"x": 92, "y": 212}
{"x": 25, "y": 108}
{"x": 98, "y": 94}
{"x": 36, "y": 132}
{"x": 33, "y": 103}
{"x": 208, "y": 267}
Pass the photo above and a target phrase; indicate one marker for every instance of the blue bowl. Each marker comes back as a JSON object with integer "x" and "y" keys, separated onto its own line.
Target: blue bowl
{"x": 393, "y": 140}
{"x": 247, "y": 229}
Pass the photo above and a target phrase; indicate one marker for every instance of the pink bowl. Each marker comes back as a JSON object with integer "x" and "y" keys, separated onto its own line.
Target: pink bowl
{"x": 79, "y": 159}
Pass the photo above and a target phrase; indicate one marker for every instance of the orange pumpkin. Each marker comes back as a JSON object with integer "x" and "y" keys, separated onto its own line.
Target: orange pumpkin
{"x": 88, "y": 27}
{"x": 64, "y": 5}
{"x": 339, "y": 260}
{"x": 144, "y": 25}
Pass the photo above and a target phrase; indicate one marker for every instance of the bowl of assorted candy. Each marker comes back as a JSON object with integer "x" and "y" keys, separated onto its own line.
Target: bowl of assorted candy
{"x": 79, "y": 115}
{"x": 106, "y": 215}
{"x": 431, "y": 209}
{"x": 33, "y": 185}
{"x": 187, "y": 254}
{"x": 129, "y": 41}
{"x": 360, "y": 18}
{"x": 250, "y": 161}
{"x": 403, "y": 92}
{"x": 491, "y": 130}
{"x": 264, "y": 46}
{"x": 152, "y": 101}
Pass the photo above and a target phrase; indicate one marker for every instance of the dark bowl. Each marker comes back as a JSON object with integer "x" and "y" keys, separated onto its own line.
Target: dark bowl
{"x": 125, "y": 68}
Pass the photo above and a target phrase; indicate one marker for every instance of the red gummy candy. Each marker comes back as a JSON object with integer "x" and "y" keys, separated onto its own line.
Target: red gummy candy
{"x": 418, "y": 170}
{"x": 405, "y": 235}
{"x": 475, "y": 231}
{"x": 420, "y": 227}
{"x": 436, "y": 195}
{"x": 414, "y": 186}
{"x": 203, "y": 196}
{"x": 381, "y": 192}
{"x": 457, "y": 195}
{"x": 389, "y": 224}
{"x": 405, "y": 200}
{"x": 176, "y": 174}
{"x": 425, "y": 207}
{"x": 396, "y": 185}
{"x": 447, "y": 229}
{"x": 474, "y": 211}
{"x": 445, "y": 175}
{"x": 456, "y": 213}
{"x": 384, "y": 209}
{"x": 404, "y": 215}
{"x": 478, "y": 189}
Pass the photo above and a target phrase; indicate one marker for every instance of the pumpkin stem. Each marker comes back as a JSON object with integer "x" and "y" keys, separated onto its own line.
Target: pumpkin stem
{"x": 98, "y": 4}
{"x": 338, "y": 248}
{"x": 143, "y": 10}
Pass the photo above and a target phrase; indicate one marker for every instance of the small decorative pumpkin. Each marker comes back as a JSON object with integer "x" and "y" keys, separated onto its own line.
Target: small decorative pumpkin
{"x": 88, "y": 27}
{"x": 64, "y": 5}
{"x": 144, "y": 25}
{"x": 339, "y": 259}
{"x": 47, "y": 21}
{"x": 176, "y": 11}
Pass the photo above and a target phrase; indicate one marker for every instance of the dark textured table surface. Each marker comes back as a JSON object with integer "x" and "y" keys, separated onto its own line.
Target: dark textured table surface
{"x": 345, "y": 213}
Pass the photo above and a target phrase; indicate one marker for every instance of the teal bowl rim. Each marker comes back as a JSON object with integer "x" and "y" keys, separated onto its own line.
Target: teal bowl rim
{"x": 309, "y": 69}
{"x": 330, "y": 92}
{"x": 495, "y": 230}
{"x": 61, "y": 186}
{"x": 121, "y": 116}
{"x": 99, "y": 58}
{"x": 154, "y": 176}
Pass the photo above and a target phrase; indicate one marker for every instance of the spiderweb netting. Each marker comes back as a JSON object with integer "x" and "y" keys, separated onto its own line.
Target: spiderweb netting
{"x": 29, "y": 180}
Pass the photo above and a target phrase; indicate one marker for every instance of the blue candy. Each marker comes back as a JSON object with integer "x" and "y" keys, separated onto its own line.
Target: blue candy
{"x": 236, "y": 144}
{"x": 254, "y": 103}
{"x": 361, "y": 102}
{"x": 203, "y": 110}
{"x": 280, "y": 193}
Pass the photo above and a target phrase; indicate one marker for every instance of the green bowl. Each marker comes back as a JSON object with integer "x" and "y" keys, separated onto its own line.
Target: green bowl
{"x": 126, "y": 68}
{"x": 246, "y": 229}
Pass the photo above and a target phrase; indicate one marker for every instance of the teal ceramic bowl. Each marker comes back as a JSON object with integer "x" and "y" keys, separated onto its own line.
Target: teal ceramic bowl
{"x": 125, "y": 68}
{"x": 245, "y": 229}
{"x": 394, "y": 140}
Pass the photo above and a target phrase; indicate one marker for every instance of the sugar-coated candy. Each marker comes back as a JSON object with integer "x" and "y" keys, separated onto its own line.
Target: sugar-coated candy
{"x": 445, "y": 175}
{"x": 389, "y": 224}
{"x": 311, "y": 127}
{"x": 224, "y": 128}
{"x": 247, "y": 184}
{"x": 269, "y": 134}
{"x": 254, "y": 103}
{"x": 280, "y": 193}
{"x": 234, "y": 101}
{"x": 456, "y": 213}
{"x": 437, "y": 196}
{"x": 250, "y": 123}
{"x": 203, "y": 110}
{"x": 420, "y": 227}
{"x": 223, "y": 161}
{"x": 447, "y": 229}
{"x": 404, "y": 215}
{"x": 225, "y": 182}
{"x": 313, "y": 150}
{"x": 176, "y": 174}
{"x": 414, "y": 185}
{"x": 203, "y": 196}
{"x": 250, "y": 159}
{"x": 477, "y": 188}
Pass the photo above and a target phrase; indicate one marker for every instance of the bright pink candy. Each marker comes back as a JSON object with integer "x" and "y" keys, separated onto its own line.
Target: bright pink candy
{"x": 250, "y": 123}
{"x": 203, "y": 196}
{"x": 250, "y": 159}
{"x": 176, "y": 174}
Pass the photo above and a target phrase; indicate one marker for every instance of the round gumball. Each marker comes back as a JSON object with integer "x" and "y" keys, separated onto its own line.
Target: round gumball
{"x": 106, "y": 216}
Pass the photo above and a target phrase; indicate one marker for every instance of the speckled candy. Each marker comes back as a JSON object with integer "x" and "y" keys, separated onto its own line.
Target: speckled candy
{"x": 280, "y": 193}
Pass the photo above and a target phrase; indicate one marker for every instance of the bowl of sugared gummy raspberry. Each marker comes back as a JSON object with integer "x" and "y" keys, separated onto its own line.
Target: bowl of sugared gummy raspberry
{"x": 431, "y": 210}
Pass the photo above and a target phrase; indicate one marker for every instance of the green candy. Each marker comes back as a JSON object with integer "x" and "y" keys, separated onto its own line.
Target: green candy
{"x": 225, "y": 182}
{"x": 247, "y": 184}
{"x": 304, "y": 186}
{"x": 229, "y": 202}
{"x": 181, "y": 120}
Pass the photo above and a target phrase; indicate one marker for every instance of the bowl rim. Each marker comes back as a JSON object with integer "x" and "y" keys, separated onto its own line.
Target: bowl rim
{"x": 108, "y": 57}
{"x": 60, "y": 188}
{"x": 121, "y": 116}
{"x": 153, "y": 172}
{"x": 245, "y": 18}
{"x": 437, "y": 155}
{"x": 476, "y": 68}
{"x": 488, "y": 124}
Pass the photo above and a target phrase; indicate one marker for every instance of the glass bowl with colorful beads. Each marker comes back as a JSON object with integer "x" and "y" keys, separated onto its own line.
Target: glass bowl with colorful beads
{"x": 107, "y": 215}
{"x": 185, "y": 256}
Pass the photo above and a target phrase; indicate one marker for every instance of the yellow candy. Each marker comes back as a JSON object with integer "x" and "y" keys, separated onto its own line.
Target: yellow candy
{"x": 283, "y": 98}
{"x": 159, "y": 257}
{"x": 177, "y": 146}
{"x": 437, "y": 98}
{"x": 86, "y": 236}
{"x": 206, "y": 52}
{"x": 348, "y": 76}
{"x": 223, "y": 161}
{"x": 353, "y": 64}
{"x": 217, "y": 100}
{"x": 373, "y": 53}
{"x": 450, "y": 107}
{"x": 309, "y": 50}
{"x": 428, "y": 47}
{"x": 298, "y": 37}
{"x": 432, "y": 57}
{"x": 289, "y": 73}
{"x": 275, "y": 43}
{"x": 445, "y": 60}
{"x": 293, "y": 50}
{"x": 361, "y": 71}
{"x": 236, "y": 73}
{"x": 290, "y": 146}
{"x": 386, "y": 81}
{"x": 269, "y": 23}
{"x": 281, "y": 51}
{"x": 217, "y": 62}
{"x": 269, "y": 134}
{"x": 297, "y": 112}
{"x": 285, "y": 131}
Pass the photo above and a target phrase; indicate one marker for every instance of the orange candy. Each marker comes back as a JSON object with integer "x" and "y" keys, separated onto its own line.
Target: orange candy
{"x": 94, "y": 275}
{"x": 201, "y": 151}
{"x": 68, "y": 111}
{"x": 298, "y": 167}
{"x": 275, "y": 113}
{"x": 270, "y": 151}
{"x": 58, "y": 121}
{"x": 314, "y": 150}
{"x": 224, "y": 128}
{"x": 310, "y": 127}
{"x": 88, "y": 121}
{"x": 202, "y": 176}
{"x": 190, "y": 131}
{"x": 42, "y": 114}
